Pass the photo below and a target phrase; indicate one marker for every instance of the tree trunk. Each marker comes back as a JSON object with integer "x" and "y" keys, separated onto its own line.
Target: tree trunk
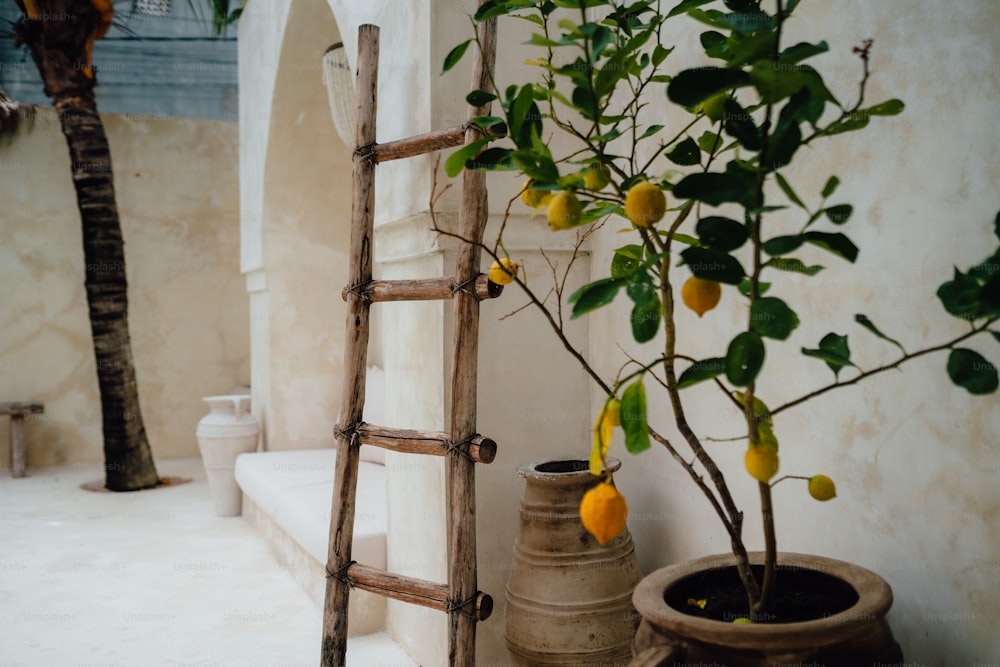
{"x": 60, "y": 47}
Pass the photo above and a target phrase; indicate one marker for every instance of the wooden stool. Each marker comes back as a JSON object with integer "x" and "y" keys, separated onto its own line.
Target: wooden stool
{"x": 17, "y": 412}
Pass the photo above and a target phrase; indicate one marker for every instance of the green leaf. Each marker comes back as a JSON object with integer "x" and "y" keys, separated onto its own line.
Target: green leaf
{"x": 640, "y": 288}
{"x": 537, "y": 20}
{"x": 521, "y": 119}
{"x": 455, "y": 163}
{"x": 594, "y": 295}
{"x": 802, "y": 107}
{"x": 783, "y": 148}
{"x": 539, "y": 168}
{"x": 682, "y": 238}
{"x": 793, "y": 265}
{"x": 714, "y": 43}
{"x": 854, "y": 121}
{"x": 633, "y": 416}
{"x": 802, "y": 51}
{"x": 739, "y": 125}
{"x": 541, "y": 40}
{"x": 684, "y": 6}
{"x": 748, "y": 21}
{"x": 660, "y": 54}
{"x": 746, "y": 48}
{"x": 492, "y": 159}
{"x": 830, "y": 187}
{"x": 832, "y": 359}
{"x": 771, "y": 317}
{"x": 650, "y": 131}
{"x": 701, "y": 370}
{"x": 720, "y": 233}
{"x": 839, "y": 214}
{"x": 776, "y": 82}
{"x": 972, "y": 371}
{"x": 779, "y": 245}
{"x": 836, "y": 243}
{"x": 996, "y": 226}
{"x": 833, "y": 350}
{"x": 713, "y": 265}
{"x": 692, "y": 86}
{"x": 626, "y": 260}
{"x": 646, "y": 320}
{"x": 713, "y": 188}
{"x": 995, "y": 334}
{"x": 597, "y": 210}
{"x": 961, "y": 297}
{"x": 744, "y": 358}
{"x": 599, "y": 41}
{"x": 789, "y": 192}
{"x": 486, "y": 122}
{"x": 891, "y": 107}
{"x": 493, "y": 8}
{"x": 479, "y": 98}
{"x": 744, "y": 288}
{"x": 686, "y": 153}
{"x": 455, "y": 55}
{"x": 709, "y": 142}
{"x": 864, "y": 321}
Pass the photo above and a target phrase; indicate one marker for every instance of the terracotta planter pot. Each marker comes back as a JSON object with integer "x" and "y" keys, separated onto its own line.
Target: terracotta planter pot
{"x": 858, "y": 636}
{"x": 568, "y": 599}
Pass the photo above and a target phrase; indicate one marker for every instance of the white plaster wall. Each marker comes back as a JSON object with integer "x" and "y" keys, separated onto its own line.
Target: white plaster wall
{"x": 175, "y": 181}
{"x": 296, "y": 185}
{"x": 915, "y": 458}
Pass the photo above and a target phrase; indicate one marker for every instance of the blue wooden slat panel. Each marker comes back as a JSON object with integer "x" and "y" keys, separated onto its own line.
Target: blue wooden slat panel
{"x": 169, "y": 66}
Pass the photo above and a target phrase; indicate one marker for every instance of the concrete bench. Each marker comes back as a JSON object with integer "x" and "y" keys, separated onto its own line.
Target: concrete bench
{"x": 287, "y": 496}
{"x": 18, "y": 411}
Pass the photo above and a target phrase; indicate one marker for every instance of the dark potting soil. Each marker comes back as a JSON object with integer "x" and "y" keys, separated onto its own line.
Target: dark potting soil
{"x": 800, "y": 595}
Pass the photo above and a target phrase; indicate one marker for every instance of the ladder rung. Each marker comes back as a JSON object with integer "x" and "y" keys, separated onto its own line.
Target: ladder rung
{"x": 434, "y": 443}
{"x": 420, "y": 144}
{"x": 424, "y": 289}
{"x": 424, "y": 143}
{"x": 411, "y": 590}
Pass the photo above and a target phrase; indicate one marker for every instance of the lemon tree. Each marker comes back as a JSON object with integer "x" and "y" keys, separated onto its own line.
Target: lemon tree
{"x": 697, "y": 192}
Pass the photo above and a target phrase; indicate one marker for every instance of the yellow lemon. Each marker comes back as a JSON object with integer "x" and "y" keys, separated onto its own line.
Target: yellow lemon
{"x": 564, "y": 211}
{"x": 613, "y": 412}
{"x": 742, "y": 621}
{"x": 532, "y": 197}
{"x": 645, "y": 204}
{"x": 822, "y": 487}
{"x": 701, "y": 295}
{"x": 762, "y": 462}
{"x": 503, "y": 272}
{"x": 596, "y": 178}
{"x": 603, "y": 511}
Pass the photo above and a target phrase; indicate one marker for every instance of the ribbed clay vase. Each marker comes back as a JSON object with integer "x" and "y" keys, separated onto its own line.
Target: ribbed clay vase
{"x": 223, "y": 434}
{"x": 857, "y": 635}
{"x": 568, "y": 598}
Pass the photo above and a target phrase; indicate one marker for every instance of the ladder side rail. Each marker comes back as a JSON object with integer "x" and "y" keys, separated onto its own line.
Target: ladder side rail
{"x": 334, "y": 647}
{"x": 460, "y": 469}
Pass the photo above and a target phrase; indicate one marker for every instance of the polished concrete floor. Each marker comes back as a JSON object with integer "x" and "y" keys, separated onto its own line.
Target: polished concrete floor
{"x": 148, "y": 578}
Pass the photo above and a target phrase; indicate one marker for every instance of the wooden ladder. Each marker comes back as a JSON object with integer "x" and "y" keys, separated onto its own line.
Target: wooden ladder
{"x": 461, "y": 445}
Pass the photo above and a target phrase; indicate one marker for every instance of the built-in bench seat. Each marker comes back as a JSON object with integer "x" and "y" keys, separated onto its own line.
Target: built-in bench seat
{"x": 288, "y": 496}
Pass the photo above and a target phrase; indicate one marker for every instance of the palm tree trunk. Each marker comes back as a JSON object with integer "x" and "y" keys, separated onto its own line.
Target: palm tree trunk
{"x": 61, "y": 50}
{"x": 127, "y": 456}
